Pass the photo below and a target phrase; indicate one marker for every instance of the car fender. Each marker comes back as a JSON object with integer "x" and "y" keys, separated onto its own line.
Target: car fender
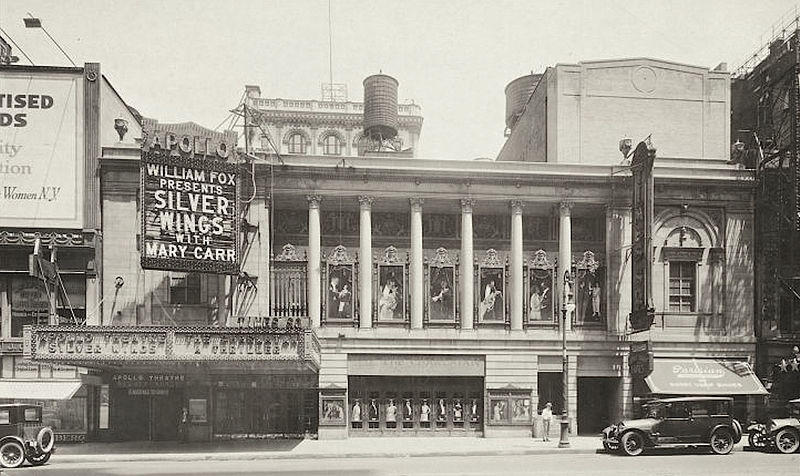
{"x": 780, "y": 427}
{"x": 19, "y": 440}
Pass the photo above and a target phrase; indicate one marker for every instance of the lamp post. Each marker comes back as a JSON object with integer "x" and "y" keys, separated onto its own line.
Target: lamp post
{"x": 563, "y": 442}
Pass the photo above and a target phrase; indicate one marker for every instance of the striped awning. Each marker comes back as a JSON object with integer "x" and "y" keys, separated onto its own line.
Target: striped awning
{"x": 703, "y": 377}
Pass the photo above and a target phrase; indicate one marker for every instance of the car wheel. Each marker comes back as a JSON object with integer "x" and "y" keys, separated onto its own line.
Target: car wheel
{"x": 632, "y": 443}
{"x": 46, "y": 439}
{"x": 12, "y": 455}
{"x": 756, "y": 440}
{"x": 787, "y": 441}
{"x": 610, "y": 446}
{"x": 39, "y": 459}
{"x": 722, "y": 441}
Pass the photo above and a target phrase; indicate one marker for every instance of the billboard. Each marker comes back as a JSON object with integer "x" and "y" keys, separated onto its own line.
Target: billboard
{"x": 189, "y": 212}
{"x": 41, "y": 178}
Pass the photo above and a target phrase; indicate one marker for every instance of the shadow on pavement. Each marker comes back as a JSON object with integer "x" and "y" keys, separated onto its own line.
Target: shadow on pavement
{"x": 144, "y": 447}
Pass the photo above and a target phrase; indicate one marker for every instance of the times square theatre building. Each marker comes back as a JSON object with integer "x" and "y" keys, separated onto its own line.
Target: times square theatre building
{"x": 408, "y": 296}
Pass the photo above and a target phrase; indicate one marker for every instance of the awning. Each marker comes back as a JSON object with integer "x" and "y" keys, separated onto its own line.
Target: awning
{"x": 703, "y": 377}
{"x": 38, "y": 390}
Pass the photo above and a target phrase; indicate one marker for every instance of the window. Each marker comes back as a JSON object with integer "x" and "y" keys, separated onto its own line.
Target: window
{"x": 682, "y": 286}
{"x": 32, "y": 414}
{"x": 297, "y": 144}
{"x": 332, "y": 145}
{"x": 184, "y": 288}
{"x": 5, "y": 417}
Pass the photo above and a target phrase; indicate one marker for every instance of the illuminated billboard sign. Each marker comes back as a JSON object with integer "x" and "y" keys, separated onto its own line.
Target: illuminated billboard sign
{"x": 41, "y": 178}
{"x": 189, "y": 212}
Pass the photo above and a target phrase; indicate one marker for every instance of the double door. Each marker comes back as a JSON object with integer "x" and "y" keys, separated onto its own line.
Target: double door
{"x": 415, "y": 406}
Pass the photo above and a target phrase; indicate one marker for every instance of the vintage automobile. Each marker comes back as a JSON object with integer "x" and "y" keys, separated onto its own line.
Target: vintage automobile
{"x": 782, "y": 434}
{"x": 22, "y": 436}
{"x": 677, "y": 422}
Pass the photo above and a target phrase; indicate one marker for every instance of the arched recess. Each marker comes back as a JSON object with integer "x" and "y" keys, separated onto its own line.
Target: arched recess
{"x": 685, "y": 228}
{"x": 296, "y": 130}
{"x": 331, "y": 132}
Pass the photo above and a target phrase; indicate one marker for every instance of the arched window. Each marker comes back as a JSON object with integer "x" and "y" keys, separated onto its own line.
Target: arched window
{"x": 297, "y": 144}
{"x": 332, "y": 145}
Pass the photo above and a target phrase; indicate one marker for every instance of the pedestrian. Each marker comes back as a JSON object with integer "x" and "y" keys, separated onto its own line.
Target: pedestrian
{"x": 547, "y": 417}
{"x": 182, "y": 423}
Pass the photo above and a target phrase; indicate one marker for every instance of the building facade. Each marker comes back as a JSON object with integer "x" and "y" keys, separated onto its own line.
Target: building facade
{"x": 405, "y": 296}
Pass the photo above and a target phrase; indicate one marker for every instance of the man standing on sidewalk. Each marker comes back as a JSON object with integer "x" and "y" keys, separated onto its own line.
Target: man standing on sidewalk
{"x": 547, "y": 417}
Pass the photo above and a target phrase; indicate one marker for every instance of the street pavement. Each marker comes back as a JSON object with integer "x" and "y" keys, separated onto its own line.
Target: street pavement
{"x": 739, "y": 463}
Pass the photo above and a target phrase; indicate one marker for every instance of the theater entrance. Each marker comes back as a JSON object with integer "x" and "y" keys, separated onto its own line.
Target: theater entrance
{"x": 597, "y": 398}
{"x": 146, "y": 414}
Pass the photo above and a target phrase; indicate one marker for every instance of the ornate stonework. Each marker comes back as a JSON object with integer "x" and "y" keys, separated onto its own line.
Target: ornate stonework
{"x": 516, "y": 206}
{"x": 467, "y": 204}
{"x": 390, "y": 255}
{"x": 491, "y": 259}
{"x": 441, "y": 258}
{"x": 416, "y": 203}
{"x": 61, "y": 238}
{"x": 339, "y": 255}
{"x": 288, "y": 253}
{"x": 540, "y": 261}
{"x": 587, "y": 262}
{"x": 365, "y": 201}
{"x": 314, "y": 200}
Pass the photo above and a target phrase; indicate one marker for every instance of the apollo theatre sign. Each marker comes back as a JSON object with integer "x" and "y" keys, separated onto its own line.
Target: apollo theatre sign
{"x": 189, "y": 206}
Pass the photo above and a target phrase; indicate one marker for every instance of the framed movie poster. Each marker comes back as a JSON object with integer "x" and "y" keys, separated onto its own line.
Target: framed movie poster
{"x": 589, "y": 285}
{"x": 491, "y": 289}
{"x": 340, "y": 294}
{"x": 392, "y": 292}
{"x": 540, "y": 288}
{"x": 333, "y": 410}
{"x": 442, "y": 304}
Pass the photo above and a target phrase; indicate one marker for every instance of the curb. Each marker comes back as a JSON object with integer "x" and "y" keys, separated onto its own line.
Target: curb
{"x": 264, "y": 455}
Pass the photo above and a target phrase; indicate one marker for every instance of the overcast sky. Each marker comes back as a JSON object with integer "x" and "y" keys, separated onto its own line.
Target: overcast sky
{"x": 189, "y": 60}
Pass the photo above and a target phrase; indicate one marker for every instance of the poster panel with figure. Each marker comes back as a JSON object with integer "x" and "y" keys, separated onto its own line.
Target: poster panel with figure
{"x": 441, "y": 304}
{"x": 391, "y": 292}
{"x": 540, "y": 303}
{"x": 491, "y": 306}
{"x": 333, "y": 410}
{"x": 339, "y": 304}
{"x": 589, "y": 297}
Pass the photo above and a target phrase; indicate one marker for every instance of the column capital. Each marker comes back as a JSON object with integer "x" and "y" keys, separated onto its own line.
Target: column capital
{"x": 565, "y": 206}
{"x": 467, "y": 204}
{"x": 416, "y": 203}
{"x": 366, "y": 201}
{"x": 314, "y": 200}
{"x": 516, "y": 206}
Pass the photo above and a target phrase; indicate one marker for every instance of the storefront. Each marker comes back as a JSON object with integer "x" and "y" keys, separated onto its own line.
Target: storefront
{"x": 193, "y": 384}
{"x": 712, "y": 377}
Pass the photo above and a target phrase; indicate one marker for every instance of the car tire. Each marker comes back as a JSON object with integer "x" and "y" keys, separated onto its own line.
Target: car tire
{"x": 787, "y": 441}
{"x": 46, "y": 439}
{"x": 39, "y": 459}
{"x": 756, "y": 440}
{"x": 12, "y": 454}
{"x": 722, "y": 441}
{"x": 632, "y": 443}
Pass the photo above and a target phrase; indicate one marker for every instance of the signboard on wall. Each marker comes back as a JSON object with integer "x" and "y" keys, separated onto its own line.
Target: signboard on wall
{"x": 642, "y": 314}
{"x": 41, "y": 178}
{"x": 189, "y": 212}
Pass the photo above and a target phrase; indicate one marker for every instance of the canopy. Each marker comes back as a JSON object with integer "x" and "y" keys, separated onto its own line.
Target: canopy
{"x": 38, "y": 390}
{"x": 703, "y": 377}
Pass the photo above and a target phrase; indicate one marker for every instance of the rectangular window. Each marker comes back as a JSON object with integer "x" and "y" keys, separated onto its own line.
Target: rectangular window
{"x": 184, "y": 288}
{"x": 682, "y": 277}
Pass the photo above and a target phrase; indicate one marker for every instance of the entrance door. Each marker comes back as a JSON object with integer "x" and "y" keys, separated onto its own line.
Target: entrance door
{"x": 166, "y": 412}
{"x": 595, "y": 398}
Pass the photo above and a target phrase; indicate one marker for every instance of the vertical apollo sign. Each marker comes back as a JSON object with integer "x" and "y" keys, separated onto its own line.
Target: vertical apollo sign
{"x": 643, "y": 312}
{"x": 189, "y": 208}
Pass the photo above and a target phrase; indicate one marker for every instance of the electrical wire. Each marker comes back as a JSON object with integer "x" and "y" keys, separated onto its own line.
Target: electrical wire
{"x": 17, "y": 46}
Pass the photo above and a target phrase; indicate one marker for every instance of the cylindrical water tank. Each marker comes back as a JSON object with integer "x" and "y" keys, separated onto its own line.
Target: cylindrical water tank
{"x": 380, "y": 106}
{"x": 517, "y": 94}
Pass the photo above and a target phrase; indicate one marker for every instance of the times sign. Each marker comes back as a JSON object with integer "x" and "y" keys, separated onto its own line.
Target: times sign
{"x": 189, "y": 213}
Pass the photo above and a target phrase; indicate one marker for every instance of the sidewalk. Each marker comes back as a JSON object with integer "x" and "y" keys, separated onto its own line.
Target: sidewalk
{"x": 298, "y": 449}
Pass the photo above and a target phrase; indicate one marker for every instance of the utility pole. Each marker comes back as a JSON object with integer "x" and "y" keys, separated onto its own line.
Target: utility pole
{"x": 566, "y": 307}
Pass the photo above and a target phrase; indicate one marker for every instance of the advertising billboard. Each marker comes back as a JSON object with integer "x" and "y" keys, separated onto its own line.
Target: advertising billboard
{"x": 41, "y": 178}
{"x": 189, "y": 212}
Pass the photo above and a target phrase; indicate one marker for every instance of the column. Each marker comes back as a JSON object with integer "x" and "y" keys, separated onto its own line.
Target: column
{"x": 255, "y": 262}
{"x": 467, "y": 258}
{"x": 564, "y": 255}
{"x": 416, "y": 270}
{"x": 618, "y": 249}
{"x": 517, "y": 298}
{"x": 314, "y": 258}
{"x": 365, "y": 263}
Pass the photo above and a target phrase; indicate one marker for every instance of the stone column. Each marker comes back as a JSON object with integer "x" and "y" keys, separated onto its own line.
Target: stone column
{"x": 314, "y": 260}
{"x": 564, "y": 255}
{"x": 517, "y": 298}
{"x": 467, "y": 258}
{"x": 416, "y": 270}
{"x": 365, "y": 263}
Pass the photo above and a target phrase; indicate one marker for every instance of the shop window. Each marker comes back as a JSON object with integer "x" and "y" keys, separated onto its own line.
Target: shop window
{"x": 682, "y": 278}
{"x": 184, "y": 288}
{"x": 332, "y": 145}
{"x": 104, "y": 406}
{"x": 297, "y": 144}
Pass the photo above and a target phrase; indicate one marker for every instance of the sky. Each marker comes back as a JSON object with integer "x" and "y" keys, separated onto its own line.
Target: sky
{"x": 181, "y": 60}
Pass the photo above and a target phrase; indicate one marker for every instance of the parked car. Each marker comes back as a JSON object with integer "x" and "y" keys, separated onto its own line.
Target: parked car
{"x": 677, "y": 422}
{"x": 782, "y": 434}
{"x": 22, "y": 436}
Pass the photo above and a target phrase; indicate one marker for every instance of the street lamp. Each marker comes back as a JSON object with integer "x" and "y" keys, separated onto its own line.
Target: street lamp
{"x": 34, "y": 22}
{"x": 563, "y": 442}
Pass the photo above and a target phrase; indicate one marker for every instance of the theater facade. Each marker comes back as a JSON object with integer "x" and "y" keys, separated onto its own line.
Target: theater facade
{"x": 398, "y": 296}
